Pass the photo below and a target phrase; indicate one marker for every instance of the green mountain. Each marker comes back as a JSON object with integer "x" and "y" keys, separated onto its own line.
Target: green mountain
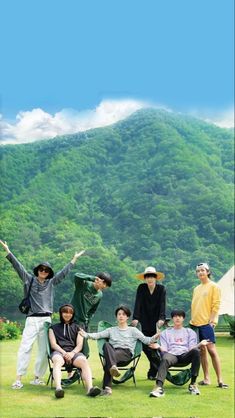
{"x": 154, "y": 189}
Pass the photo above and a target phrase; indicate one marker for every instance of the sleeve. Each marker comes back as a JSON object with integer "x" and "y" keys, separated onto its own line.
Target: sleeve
{"x": 137, "y": 307}
{"x": 163, "y": 341}
{"x": 162, "y": 314}
{"x": 98, "y": 335}
{"x": 192, "y": 338}
{"x": 58, "y": 277}
{"x": 93, "y": 309}
{"x": 140, "y": 336}
{"x": 19, "y": 268}
{"x": 216, "y": 299}
{"x": 82, "y": 276}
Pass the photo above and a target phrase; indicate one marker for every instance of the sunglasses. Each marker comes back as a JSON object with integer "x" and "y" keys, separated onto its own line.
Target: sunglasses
{"x": 41, "y": 269}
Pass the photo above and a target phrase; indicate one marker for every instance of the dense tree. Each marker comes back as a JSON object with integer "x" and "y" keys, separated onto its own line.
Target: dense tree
{"x": 154, "y": 189}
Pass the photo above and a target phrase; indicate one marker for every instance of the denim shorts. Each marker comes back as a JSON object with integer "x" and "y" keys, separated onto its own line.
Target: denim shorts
{"x": 204, "y": 332}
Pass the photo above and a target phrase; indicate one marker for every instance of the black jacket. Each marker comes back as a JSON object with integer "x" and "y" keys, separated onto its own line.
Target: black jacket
{"x": 149, "y": 308}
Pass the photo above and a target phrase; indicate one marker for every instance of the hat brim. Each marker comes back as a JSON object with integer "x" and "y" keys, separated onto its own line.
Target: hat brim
{"x": 159, "y": 275}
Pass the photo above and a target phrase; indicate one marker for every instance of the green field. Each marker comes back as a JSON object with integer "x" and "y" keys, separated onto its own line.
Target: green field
{"x": 126, "y": 401}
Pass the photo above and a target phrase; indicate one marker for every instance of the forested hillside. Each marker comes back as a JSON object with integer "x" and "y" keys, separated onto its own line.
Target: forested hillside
{"x": 154, "y": 189}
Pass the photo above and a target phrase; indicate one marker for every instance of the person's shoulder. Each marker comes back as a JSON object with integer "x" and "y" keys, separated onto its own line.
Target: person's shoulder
{"x": 142, "y": 286}
{"x": 55, "y": 326}
{"x": 213, "y": 284}
{"x": 160, "y": 286}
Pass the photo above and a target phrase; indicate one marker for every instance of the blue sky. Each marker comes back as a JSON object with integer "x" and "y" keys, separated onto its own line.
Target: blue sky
{"x": 70, "y": 58}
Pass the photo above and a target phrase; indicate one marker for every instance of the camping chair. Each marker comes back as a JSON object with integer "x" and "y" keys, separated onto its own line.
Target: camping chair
{"x": 64, "y": 368}
{"x": 122, "y": 366}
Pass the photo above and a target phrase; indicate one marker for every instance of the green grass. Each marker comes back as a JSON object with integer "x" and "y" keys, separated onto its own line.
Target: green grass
{"x": 126, "y": 401}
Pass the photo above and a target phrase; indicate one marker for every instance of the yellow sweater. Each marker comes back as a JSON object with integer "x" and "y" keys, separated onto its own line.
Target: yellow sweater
{"x": 206, "y": 300}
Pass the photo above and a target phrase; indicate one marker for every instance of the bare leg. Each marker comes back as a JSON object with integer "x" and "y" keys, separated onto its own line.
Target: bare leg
{"x": 215, "y": 361}
{"x": 205, "y": 364}
{"x": 83, "y": 364}
{"x": 58, "y": 362}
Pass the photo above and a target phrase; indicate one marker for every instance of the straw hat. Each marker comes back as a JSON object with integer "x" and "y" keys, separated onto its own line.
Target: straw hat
{"x": 151, "y": 270}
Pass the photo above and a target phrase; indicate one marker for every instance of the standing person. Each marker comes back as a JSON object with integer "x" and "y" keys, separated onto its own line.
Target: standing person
{"x": 41, "y": 299}
{"x": 120, "y": 346}
{"x": 204, "y": 316}
{"x": 88, "y": 294}
{"x": 178, "y": 346}
{"x": 66, "y": 344}
{"x": 149, "y": 310}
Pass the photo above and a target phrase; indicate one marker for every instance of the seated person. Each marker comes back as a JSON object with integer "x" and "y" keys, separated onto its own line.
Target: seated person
{"x": 178, "y": 346}
{"x": 66, "y": 345}
{"x": 120, "y": 347}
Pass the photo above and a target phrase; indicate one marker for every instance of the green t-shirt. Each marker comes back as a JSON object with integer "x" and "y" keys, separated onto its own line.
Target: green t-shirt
{"x": 85, "y": 298}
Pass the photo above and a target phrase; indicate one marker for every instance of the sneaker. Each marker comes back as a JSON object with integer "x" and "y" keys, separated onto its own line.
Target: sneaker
{"x": 59, "y": 393}
{"x": 157, "y": 393}
{"x": 37, "y": 382}
{"x": 193, "y": 389}
{"x": 107, "y": 391}
{"x": 95, "y": 391}
{"x": 114, "y": 371}
{"x": 17, "y": 385}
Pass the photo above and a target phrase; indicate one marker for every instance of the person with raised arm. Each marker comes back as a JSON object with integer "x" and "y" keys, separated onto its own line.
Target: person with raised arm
{"x": 41, "y": 297}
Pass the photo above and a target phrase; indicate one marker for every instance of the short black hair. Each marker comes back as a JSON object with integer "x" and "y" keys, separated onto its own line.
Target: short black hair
{"x": 106, "y": 277}
{"x": 177, "y": 312}
{"x": 125, "y": 309}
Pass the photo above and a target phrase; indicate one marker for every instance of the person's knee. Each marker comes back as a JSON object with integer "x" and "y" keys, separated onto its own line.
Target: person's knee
{"x": 81, "y": 362}
{"x": 57, "y": 361}
{"x": 195, "y": 352}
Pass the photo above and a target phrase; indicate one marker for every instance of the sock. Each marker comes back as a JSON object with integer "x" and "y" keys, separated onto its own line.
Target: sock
{"x": 159, "y": 383}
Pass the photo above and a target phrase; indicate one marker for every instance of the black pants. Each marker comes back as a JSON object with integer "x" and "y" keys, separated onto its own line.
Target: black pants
{"x": 113, "y": 356}
{"x": 153, "y": 360}
{"x": 168, "y": 360}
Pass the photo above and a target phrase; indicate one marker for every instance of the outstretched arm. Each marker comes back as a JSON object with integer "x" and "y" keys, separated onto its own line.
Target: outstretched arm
{"x": 66, "y": 269}
{"x": 5, "y": 246}
{"x": 19, "y": 268}
{"x": 76, "y": 256}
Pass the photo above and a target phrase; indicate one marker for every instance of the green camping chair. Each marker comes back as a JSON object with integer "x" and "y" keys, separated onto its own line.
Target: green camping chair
{"x": 64, "y": 368}
{"x": 128, "y": 367}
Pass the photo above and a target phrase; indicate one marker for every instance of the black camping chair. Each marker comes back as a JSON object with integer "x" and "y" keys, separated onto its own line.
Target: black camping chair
{"x": 64, "y": 368}
{"x": 128, "y": 367}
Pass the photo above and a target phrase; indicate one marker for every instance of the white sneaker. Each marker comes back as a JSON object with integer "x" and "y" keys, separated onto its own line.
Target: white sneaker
{"x": 37, "y": 382}
{"x": 17, "y": 385}
{"x": 193, "y": 389}
{"x": 157, "y": 392}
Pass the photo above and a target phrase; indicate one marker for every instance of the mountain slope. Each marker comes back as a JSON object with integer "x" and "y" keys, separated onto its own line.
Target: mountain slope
{"x": 153, "y": 189}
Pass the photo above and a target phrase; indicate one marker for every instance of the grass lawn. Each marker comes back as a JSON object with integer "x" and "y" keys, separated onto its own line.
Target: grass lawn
{"x": 126, "y": 401}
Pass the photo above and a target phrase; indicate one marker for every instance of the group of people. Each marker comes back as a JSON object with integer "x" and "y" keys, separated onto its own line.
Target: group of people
{"x": 176, "y": 344}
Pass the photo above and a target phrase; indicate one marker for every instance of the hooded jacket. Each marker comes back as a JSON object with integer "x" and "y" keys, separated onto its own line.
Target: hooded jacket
{"x": 66, "y": 334}
{"x": 41, "y": 294}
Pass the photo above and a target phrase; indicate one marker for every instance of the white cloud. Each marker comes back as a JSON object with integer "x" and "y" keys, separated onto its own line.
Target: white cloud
{"x": 37, "y": 124}
{"x": 223, "y": 120}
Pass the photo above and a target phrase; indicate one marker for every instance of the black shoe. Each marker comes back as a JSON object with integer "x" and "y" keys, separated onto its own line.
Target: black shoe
{"x": 59, "y": 393}
{"x": 149, "y": 377}
{"x": 95, "y": 391}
